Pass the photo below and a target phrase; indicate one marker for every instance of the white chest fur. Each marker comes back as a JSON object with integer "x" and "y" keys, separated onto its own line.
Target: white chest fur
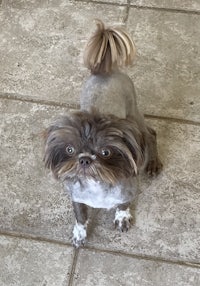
{"x": 99, "y": 195}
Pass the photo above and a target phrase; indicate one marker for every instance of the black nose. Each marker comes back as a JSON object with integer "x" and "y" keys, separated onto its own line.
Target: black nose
{"x": 85, "y": 161}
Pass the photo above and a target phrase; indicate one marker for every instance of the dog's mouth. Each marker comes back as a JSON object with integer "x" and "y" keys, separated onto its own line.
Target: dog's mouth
{"x": 88, "y": 170}
{"x": 83, "y": 168}
{"x": 87, "y": 166}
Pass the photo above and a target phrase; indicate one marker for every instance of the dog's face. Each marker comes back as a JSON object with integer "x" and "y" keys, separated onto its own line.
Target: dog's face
{"x": 88, "y": 145}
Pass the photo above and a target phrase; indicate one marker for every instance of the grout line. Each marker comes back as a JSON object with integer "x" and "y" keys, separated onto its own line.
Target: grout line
{"x": 73, "y": 267}
{"x": 14, "y": 234}
{"x": 143, "y": 257}
{"x": 126, "y": 12}
{"x": 99, "y": 250}
{"x": 103, "y": 2}
{"x": 145, "y": 7}
{"x": 18, "y": 97}
{"x": 172, "y": 119}
{"x": 171, "y": 10}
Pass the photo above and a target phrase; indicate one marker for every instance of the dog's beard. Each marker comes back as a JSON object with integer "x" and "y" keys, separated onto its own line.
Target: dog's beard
{"x": 96, "y": 171}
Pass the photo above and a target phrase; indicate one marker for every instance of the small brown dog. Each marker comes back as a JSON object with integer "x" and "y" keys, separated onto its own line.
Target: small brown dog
{"x": 98, "y": 151}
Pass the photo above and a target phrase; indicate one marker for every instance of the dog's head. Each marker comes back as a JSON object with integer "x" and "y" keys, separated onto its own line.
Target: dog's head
{"x": 87, "y": 145}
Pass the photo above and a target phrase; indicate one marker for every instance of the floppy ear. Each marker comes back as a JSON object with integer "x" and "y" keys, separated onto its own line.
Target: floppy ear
{"x": 45, "y": 133}
{"x": 55, "y": 145}
{"x": 56, "y": 137}
{"x": 51, "y": 154}
{"x": 133, "y": 139}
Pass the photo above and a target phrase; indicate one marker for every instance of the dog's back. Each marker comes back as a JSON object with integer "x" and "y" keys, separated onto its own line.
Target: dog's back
{"x": 110, "y": 94}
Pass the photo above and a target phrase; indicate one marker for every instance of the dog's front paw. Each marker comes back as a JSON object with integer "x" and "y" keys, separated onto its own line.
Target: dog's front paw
{"x": 154, "y": 167}
{"x": 79, "y": 235}
{"x": 123, "y": 219}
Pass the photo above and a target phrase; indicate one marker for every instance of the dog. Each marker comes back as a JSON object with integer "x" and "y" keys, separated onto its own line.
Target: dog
{"x": 98, "y": 151}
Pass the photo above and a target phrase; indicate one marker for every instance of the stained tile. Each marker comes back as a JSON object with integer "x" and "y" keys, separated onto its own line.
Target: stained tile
{"x": 32, "y": 201}
{"x": 95, "y": 268}
{"x": 121, "y": 2}
{"x": 27, "y": 262}
{"x": 169, "y": 4}
{"x": 167, "y": 67}
{"x": 41, "y": 47}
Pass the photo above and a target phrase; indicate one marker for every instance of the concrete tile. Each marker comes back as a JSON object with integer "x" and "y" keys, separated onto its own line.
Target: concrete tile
{"x": 107, "y": 269}
{"x": 167, "y": 212}
{"x": 24, "y": 4}
{"x": 32, "y": 201}
{"x": 21, "y": 4}
{"x": 169, "y": 4}
{"x": 121, "y": 2}
{"x": 167, "y": 68}
{"x": 27, "y": 262}
{"x": 41, "y": 46}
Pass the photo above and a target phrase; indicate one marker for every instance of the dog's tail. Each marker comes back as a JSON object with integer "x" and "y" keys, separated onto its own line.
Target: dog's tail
{"x": 108, "y": 49}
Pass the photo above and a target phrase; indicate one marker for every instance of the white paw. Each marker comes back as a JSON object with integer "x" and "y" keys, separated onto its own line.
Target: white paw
{"x": 79, "y": 234}
{"x": 123, "y": 219}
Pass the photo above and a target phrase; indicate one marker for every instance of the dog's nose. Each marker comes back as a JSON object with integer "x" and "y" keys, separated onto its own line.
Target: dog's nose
{"x": 85, "y": 161}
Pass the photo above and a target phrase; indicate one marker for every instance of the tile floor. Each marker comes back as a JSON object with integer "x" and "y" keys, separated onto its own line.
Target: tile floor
{"x": 41, "y": 74}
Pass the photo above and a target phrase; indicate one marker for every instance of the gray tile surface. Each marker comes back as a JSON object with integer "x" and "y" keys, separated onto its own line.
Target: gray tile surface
{"x": 167, "y": 82}
{"x": 31, "y": 200}
{"x": 167, "y": 214}
{"x": 167, "y": 68}
{"x": 184, "y": 5}
{"x": 169, "y": 4}
{"x": 120, "y": 2}
{"x": 23, "y": 4}
{"x": 42, "y": 46}
{"x": 31, "y": 263}
{"x": 106, "y": 269}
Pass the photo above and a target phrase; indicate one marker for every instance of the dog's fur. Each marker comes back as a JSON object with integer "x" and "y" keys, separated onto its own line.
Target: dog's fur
{"x": 99, "y": 150}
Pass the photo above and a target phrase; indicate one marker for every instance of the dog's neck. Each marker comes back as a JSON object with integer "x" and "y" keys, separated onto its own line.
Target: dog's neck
{"x": 101, "y": 195}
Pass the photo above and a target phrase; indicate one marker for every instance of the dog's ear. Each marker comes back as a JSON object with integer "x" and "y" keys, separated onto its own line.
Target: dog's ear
{"x": 51, "y": 155}
{"x": 133, "y": 139}
{"x": 44, "y": 134}
{"x": 54, "y": 147}
{"x": 63, "y": 132}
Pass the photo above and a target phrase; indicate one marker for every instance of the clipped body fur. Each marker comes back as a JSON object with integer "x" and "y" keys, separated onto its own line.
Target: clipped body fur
{"x": 98, "y": 151}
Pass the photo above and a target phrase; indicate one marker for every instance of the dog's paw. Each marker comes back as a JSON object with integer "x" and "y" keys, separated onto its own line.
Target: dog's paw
{"x": 79, "y": 235}
{"x": 123, "y": 220}
{"x": 154, "y": 167}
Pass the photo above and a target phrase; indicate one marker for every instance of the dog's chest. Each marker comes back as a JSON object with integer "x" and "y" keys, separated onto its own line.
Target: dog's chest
{"x": 98, "y": 195}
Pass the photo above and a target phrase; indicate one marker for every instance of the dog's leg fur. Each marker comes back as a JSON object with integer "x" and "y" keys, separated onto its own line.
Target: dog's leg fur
{"x": 80, "y": 228}
{"x": 123, "y": 217}
{"x": 153, "y": 164}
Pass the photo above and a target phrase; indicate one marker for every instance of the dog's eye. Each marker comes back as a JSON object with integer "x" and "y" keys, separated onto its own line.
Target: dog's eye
{"x": 70, "y": 150}
{"x": 105, "y": 153}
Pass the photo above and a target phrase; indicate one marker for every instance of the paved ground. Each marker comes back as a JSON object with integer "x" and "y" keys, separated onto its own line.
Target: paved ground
{"x": 41, "y": 74}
